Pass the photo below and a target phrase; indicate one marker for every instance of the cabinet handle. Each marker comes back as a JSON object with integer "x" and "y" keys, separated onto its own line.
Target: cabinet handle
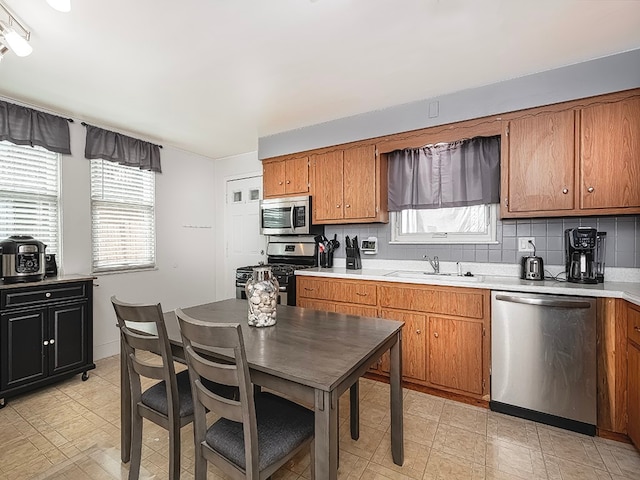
{"x": 565, "y": 190}
{"x": 361, "y": 294}
{"x": 435, "y": 334}
{"x": 288, "y": 182}
{"x": 636, "y": 328}
{"x": 48, "y": 294}
{"x": 418, "y": 332}
{"x": 590, "y": 189}
{"x": 52, "y": 341}
{"x": 45, "y": 343}
{"x": 308, "y": 289}
{"x": 279, "y": 183}
{"x": 347, "y": 206}
{"x": 338, "y": 206}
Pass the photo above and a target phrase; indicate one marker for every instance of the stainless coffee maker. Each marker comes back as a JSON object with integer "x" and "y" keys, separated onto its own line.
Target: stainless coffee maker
{"x": 580, "y": 254}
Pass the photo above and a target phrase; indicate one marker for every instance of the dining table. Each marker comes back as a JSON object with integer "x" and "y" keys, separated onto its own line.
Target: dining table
{"x": 310, "y": 356}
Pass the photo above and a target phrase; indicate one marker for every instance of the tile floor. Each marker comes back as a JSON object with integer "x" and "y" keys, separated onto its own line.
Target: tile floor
{"x": 72, "y": 431}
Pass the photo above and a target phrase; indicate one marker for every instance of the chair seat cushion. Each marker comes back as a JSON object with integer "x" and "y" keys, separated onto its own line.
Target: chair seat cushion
{"x": 155, "y": 397}
{"x": 282, "y": 427}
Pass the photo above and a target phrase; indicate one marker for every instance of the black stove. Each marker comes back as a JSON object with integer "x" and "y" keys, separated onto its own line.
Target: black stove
{"x": 285, "y": 255}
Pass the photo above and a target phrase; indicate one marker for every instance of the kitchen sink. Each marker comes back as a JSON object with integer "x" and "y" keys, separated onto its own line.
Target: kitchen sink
{"x": 450, "y": 277}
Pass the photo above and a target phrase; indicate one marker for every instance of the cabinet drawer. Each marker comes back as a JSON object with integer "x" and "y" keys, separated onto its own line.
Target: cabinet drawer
{"x": 363, "y": 293}
{"x": 18, "y": 297}
{"x": 461, "y": 302}
{"x": 633, "y": 323}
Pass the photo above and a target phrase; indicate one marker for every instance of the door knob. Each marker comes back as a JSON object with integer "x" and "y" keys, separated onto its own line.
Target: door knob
{"x": 418, "y": 332}
{"x": 338, "y": 206}
{"x": 288, "y": 182}
{"x": 565, "y": 190}
{"x": 45, "y": 343}
{"x": 435, "y": 334}
{"x": 52, "y": 341}
{"x": 347, "y": 206}
{"x": 590, "y": 189}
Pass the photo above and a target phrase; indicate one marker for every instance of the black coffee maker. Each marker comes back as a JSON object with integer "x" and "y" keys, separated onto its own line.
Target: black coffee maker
{"x": 580, "y": 254}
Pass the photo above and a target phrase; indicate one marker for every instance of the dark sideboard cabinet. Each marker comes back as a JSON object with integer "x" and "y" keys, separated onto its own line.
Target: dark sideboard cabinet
{"x": 46, "y": 334}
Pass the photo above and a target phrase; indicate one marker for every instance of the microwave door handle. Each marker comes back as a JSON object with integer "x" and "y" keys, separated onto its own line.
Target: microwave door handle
{"x": 291, "y": 218}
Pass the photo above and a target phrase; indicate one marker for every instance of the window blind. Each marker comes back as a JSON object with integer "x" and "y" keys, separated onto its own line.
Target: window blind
{"x": 29, "y": 193}
{"x": 123, "y": 217}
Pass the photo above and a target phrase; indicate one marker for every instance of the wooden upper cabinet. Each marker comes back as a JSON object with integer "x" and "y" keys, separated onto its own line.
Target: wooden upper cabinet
{"x": 539, "y": 160}
{"x": 359, "y": 182}
{"x": 327, "y": 189}
{"x": 285, "y": 177}
{"x": 573, "y": 159}
{"x": 350, "y": 186}
{"x": 610, "y": 154}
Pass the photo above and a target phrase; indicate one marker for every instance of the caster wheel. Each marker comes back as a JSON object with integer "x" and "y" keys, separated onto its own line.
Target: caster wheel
{"x": 85, "y": 376}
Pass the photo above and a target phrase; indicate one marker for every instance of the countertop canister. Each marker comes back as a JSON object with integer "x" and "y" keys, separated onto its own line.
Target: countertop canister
{"x": 262, "y": 296}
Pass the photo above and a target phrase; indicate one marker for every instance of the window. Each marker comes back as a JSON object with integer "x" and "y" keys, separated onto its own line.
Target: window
{"x": 122, "y": 217}
{"x": 455, "y": 225}
{"x": 30, "y": 193}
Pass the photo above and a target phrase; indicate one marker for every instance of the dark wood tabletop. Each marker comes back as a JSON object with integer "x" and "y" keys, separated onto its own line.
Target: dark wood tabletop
{"x": 310, "y": 347}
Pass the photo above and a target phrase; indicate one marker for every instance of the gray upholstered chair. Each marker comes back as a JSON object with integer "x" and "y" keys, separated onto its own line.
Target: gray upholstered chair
{"x": 169, "y": 402}
{"x": 254, "y": 435}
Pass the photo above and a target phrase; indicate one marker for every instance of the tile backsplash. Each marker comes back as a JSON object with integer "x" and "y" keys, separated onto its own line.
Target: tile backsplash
{"x": 623, "y": 241}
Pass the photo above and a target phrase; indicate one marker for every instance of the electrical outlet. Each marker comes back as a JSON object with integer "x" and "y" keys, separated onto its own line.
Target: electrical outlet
{"x": 524, "y": 245}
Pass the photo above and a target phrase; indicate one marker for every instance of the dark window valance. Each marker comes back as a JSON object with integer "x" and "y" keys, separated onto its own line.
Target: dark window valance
{"x": 26, "y": 126}
{"x": 445, "y": 175}
{"x": 122, "y": 149}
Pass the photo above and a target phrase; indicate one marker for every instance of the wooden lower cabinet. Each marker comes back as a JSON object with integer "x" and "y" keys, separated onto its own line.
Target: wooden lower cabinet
{"x": 414, "y": 356}
{"x": 444, "y": 343}
{"x": 455, "y": 353}
{"x": 633, "y": 373}
{"x": 633, "y": 414}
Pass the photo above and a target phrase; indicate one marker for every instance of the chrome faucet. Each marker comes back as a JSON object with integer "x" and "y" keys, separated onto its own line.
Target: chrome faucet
{"x": 435, "y": 263}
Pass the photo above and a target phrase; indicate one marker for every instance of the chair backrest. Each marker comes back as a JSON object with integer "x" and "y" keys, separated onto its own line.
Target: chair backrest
{"x": 142, "y": 329}
{"x": 199, "y": 337}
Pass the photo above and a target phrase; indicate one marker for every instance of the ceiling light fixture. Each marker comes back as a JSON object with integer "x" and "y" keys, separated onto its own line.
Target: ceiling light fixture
{"x": 60, "y": 5}
{"x": 14, "y": 34}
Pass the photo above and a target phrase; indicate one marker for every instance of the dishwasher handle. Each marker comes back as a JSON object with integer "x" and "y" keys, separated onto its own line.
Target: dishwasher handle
{"x": 544, "y": 302}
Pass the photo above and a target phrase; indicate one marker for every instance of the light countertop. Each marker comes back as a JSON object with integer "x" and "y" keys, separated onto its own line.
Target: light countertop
{"x": 626, "y": 290}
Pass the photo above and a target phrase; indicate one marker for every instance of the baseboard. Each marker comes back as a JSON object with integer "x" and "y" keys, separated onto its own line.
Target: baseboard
{"x": 106, "y": 350}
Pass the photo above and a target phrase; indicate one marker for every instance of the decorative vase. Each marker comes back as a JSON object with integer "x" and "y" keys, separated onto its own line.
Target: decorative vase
{"x": 262, "y": 295}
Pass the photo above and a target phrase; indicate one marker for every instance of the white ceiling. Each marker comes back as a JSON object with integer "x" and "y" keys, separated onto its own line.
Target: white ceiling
{"x": 211, "y": 76}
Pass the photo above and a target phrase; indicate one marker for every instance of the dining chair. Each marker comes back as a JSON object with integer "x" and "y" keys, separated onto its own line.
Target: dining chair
{"x": 168, "y": 403}
{"x": 254, "y": 435}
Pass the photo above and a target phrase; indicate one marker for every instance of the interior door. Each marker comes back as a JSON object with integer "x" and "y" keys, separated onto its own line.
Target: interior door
{"x": 243, "y": 243}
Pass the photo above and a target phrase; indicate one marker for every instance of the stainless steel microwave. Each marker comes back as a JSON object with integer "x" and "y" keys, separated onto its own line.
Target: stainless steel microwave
{"x": 285, "y": 216}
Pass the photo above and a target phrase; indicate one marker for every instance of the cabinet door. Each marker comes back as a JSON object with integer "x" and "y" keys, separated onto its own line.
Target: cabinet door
{"x": 413, "y": 344}
{"x": 609, "y": 155}
{"x": 541, "y": 162}
{"x": 68, "y": 344}
{"x": 633, "y": 368}
{"x": 327, "y": 191}
{"x": 455, "y": 354}
{"x": 273, "y": 174}
{"x": 23, "y": 336}
{"x": 360, "y": 182}
{"x": 296, "y": 175}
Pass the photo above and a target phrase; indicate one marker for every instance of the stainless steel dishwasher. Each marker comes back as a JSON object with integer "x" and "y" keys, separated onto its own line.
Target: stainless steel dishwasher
{"x": 543, "y": 358}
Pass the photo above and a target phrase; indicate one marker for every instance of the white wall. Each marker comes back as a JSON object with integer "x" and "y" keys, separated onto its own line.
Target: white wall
{"x": 189, "y": 233}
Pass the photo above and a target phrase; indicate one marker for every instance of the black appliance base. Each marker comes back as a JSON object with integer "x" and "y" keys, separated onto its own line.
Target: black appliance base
{"x": 547, "y": 419}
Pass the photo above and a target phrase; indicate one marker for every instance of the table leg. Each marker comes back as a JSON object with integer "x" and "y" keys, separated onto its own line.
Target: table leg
{"x": 354, "y": 409}
{"x": 397, "y": 442}
{"x": 326, "y": 435}
{"x": 125, "y": 409}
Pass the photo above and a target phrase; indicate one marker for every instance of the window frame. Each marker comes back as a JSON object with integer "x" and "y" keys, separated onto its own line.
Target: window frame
{"x": 115, "y": 267}
{"x": 448, "y": 238}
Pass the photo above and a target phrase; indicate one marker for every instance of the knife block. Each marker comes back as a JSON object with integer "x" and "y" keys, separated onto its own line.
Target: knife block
{"x": 353, "y": 259}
